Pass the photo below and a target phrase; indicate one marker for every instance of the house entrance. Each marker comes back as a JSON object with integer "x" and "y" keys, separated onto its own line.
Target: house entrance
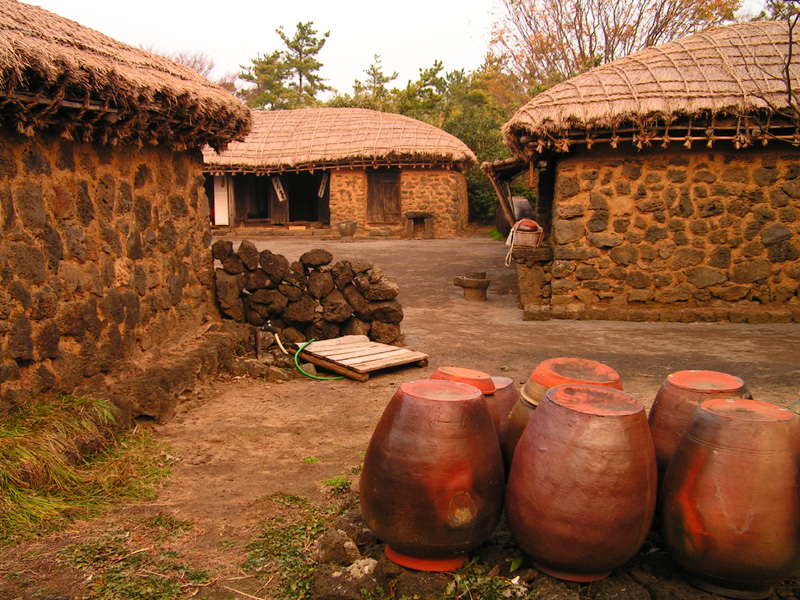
{"x": 383, "y": 196}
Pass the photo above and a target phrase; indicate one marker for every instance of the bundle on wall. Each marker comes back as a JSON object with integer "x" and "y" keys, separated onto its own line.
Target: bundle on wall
{"x": 308, "y": 298}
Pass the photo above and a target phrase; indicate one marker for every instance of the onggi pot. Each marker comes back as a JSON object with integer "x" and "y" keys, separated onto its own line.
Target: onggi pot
{"x": 677, "y": 399}
{"x": 729, "y": 502}
{"x": 549, "y": 373}
{"x": 505, "y": 398}
{"x": 582, "y": 489}
{"x": 432, "y": 482}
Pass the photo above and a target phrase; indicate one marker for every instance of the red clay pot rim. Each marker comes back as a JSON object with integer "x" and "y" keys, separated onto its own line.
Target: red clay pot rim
{"x": 441, "y": 390}
{"x": 707, "y": 382}
{"x": 437, "y": 565}
{"x": 747, "y": 410}
{"x": 557, "y": 371}
{"x": 595, "y": 400}
{"x": 479, "y": 379}
{"x": 501, "y": 382}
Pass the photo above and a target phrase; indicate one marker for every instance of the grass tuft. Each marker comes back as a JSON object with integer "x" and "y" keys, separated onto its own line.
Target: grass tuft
{"x": 60, "y": 460}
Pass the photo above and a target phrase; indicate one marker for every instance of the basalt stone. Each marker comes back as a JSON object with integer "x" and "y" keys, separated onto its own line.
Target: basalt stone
{"x": 354, "y": 326}
{"x": 70, "y": 321}
{"x": 300, "y": 311}
{"x": 130, "y": 300}
{"x": 561, "y": 269}
{"x": 142, "y": 211}
{"x": 703, "y": 277}
{"x": 355, "y": 298}
{"x": 605, "y": 240}
{"x": 384, "y": 333}
{"x": 583, "y": 272}
{"x": 783, "y": 252}
{"x": 383, "y": 289}
{"x": 752, "y": 249}
{"x": 44, "y": 304}
{"x": 257, "y": 280}
{"x": 296, "y": 275}
{"x": 361, "y": 281}
{"x": 290, "y": 291}
{"x": 360, "y": 266}
{"x": 19, "y": 344}
{"x": 316, "y": 258}
{"x": 222, "y": 249}
{"x": 569, "y": 211}
{"x": 618, "y": 273}
{"x": 775, "y": 233}
{"x": 388, "y": 311}
{"x": 275, "y": 265}
{"x": 133, "y": 245}
{"x": 621, "y": 225}
{"x": 20, "y": 293}
{"x": 27, "y": 262}
{"x": 109, "y": 235}
{"x": 638, "y": 279}
{"x": 249, "y": 254}
{"x": 53, "y": 247}
{"x": 273, "y": 300}
{"x": 112, "y": 307}
{"x": 255, "y": 313}
{"x": 342, "y": 274}
{"x": 175, "y": 286}
{"x": 751, "y": 271}
{"x": 34, "y": 160}
{"x": 598, "y": 222}
{"x": 566, "y": 232}
{"x": 47, "y": 339}
{"x": 319, "y": 284}
{"x": 655, "y": 233}
{"x": 228, "y": 288}
{"x": 75, "y": 240}
{"x": 632, "y": 170}
{"x": 29, "y": 204}
{"x": 7, "y": 214}
{"x": 573, "y": 253}
{"x": 720, "y": 258}
{"x": 105, "y": 194}
{"x": 597, "y": 201}
{"x": 323, "y": 330}
{"x": 9, "y": 371}
{"x": 233, "y": 264}
{"x": 686, "y": 257}
{"x": 84, "y": 204}
{"x": 177, "y": 206}
{"x": 8, "y": 163}
{"x": 679, "y": 293}
{"x": 566, "y": 187}
{"x": 167, "y": 237}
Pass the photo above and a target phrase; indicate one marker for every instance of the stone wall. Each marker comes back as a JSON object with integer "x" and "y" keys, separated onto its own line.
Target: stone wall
{"x": 308, "y": 298}
{"x": 439, "y": 192}
{"x": 104, "y": 254}
{"x": 670, "y": 236}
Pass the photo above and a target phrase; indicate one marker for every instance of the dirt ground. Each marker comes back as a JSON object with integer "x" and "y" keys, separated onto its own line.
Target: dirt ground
{"x": 236, "y": 441}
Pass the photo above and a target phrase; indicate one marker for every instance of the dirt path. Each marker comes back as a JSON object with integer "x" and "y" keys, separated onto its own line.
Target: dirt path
{"x": 238, "y": 441}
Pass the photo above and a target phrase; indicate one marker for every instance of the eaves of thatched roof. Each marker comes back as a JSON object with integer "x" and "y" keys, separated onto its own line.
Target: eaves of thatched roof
{"x": 322, "y": 138}
{"x": 66, "y": 79}
{"x": 726, "y": 83}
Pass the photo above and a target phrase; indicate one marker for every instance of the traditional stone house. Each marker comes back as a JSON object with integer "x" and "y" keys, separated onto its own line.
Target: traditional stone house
{"x": 103, "y": 217}
{"x": 669, "y": 184}
{"x": 313, "y": 167}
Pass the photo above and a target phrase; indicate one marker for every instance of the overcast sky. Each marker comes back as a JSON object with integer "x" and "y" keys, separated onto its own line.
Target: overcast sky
{"x": 409, "y": 35}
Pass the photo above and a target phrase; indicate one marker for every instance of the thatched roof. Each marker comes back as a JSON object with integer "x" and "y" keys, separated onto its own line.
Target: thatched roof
{"x": 316, "y": 138}
{"x": 723, "y": 84}
{"x": 69, "y": 80}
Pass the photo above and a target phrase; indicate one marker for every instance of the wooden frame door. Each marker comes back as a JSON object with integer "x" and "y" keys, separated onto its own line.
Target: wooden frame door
{"x": 383, "y": 197}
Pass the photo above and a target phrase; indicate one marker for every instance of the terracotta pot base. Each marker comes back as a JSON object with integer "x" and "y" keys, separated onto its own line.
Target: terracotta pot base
{"x": 425, "y": 564}
{"x": 567, "y": 576}
{"x": 755, "y": 593}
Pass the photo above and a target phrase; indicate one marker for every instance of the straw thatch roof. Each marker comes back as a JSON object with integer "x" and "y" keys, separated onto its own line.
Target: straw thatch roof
{"x": 726, "y": 83}
{"x": 317, "y": 138}
{"x": 69, "y": 80}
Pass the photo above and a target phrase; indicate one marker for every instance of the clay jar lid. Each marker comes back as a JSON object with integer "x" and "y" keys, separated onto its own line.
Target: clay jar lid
{"x": 441, "y": 391}
{"x": 482, "y": 381}
{"x": 594, "y": 400}
{"x": 706, "y": 381}
{"x": 558, "y": 371}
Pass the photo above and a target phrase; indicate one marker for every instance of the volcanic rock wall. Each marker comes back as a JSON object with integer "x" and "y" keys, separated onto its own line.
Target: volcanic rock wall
{"x": 674, "y": 236}
{"x": 308, "y": 298}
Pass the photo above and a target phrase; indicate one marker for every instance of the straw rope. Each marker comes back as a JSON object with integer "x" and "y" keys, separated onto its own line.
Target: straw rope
{"x": 59, "y": 76}
{"x": 306, "y": 139}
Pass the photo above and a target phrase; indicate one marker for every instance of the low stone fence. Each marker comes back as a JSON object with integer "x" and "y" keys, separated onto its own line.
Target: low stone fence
{"x": 308, "y": 298}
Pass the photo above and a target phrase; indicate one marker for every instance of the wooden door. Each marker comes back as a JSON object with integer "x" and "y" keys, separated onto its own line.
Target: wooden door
{"x": 383, "y": 197}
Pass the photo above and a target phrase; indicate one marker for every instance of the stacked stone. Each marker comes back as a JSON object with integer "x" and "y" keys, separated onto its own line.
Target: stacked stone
{"x": 308, "y": 298}
{"x": 678, "y": 237}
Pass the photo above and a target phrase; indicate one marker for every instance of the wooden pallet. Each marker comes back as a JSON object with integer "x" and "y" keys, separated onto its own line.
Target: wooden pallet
{"x": 355, "y": 356}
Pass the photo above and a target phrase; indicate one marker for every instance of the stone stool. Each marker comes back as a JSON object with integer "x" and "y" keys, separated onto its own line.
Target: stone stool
{"x": 474, "y": 285}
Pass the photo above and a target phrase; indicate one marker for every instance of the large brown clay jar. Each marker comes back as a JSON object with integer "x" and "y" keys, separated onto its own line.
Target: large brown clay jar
{"x": 678, "y": 397}
{"x": 550, "y": 373}
{"x": 729, "y": 502}
{"x": 501, "y": 404}
{"x": 582, "y": 489}
{"x": 432, "y": 482}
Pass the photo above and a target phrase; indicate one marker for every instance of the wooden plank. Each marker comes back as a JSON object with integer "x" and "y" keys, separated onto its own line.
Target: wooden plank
{"x": 349, "y": 351}
{"x": 335, "y": 367}
{"x": 342, "y": 356}
{"x": 341, "y": 341}
{"x": 392, "y": 355}
{"x": 374, "y": 365}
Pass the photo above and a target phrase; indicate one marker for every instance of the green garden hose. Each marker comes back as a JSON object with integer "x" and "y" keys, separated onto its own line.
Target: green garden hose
{"x": 299, "y": 368}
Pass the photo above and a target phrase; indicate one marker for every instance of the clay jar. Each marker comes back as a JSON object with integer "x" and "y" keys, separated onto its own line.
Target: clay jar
{"x": 505, "y": 398}
{"x": 730, "y": 505}
{"x": 677, "y": 399}
{"x": 582, "y": 488}
{"x": 432, "y": 482}
{"x": 549, "y": 373}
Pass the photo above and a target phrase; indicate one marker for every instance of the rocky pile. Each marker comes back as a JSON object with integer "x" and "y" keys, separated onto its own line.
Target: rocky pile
{"x": 308, "y": 298}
